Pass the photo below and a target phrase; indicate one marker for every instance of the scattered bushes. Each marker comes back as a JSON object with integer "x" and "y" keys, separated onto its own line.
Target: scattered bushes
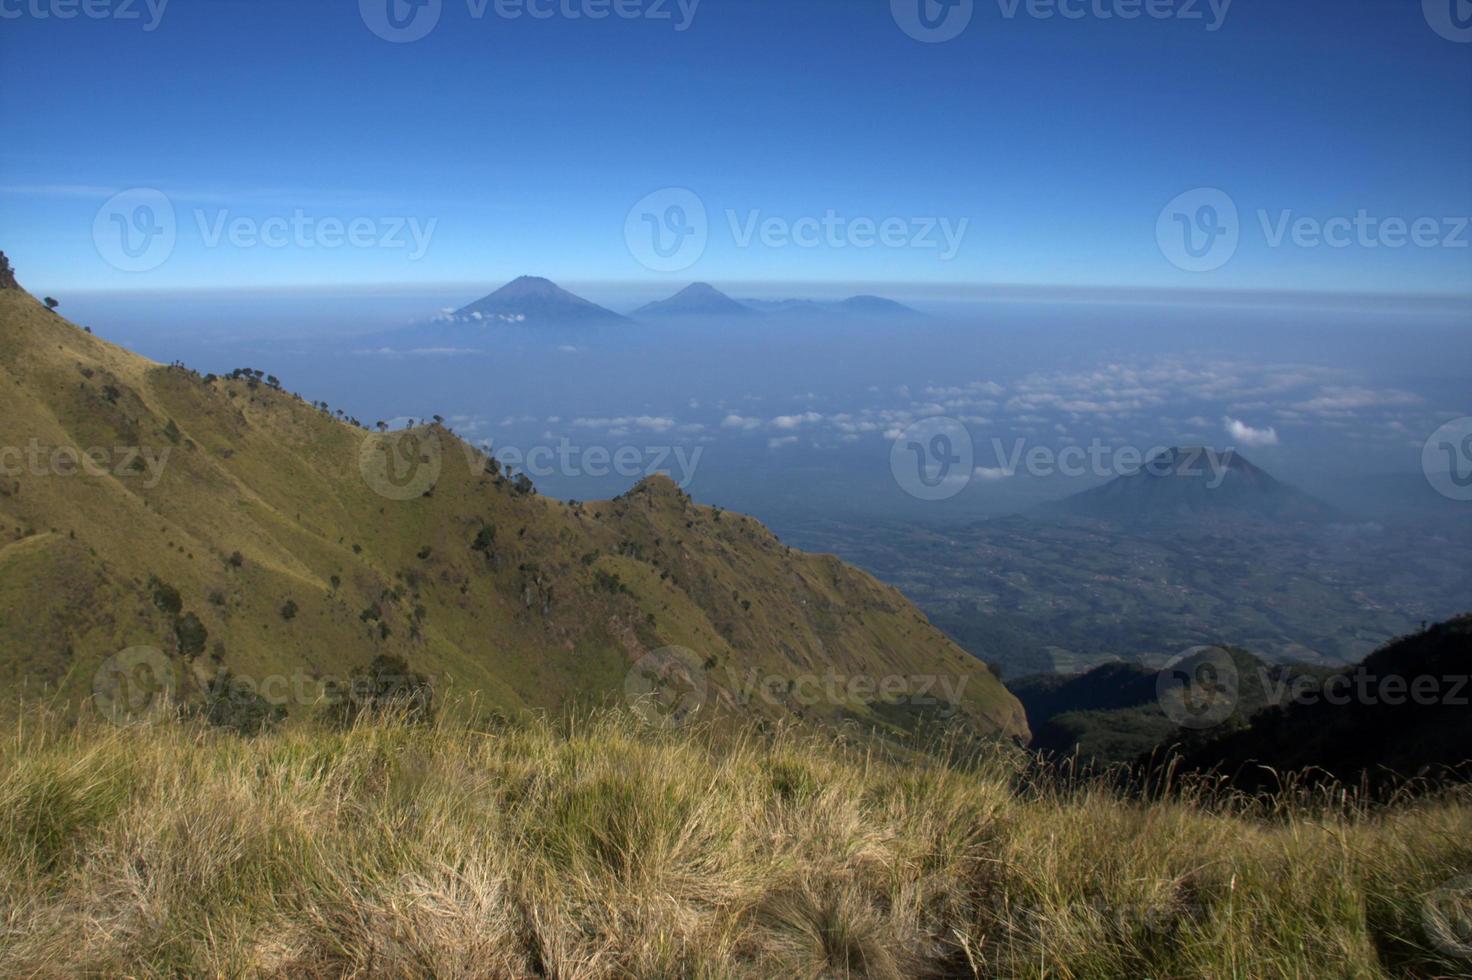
{"x": 234, "y": 704}
{"x": 191, "y": 635}
{"x": 165, "y": 596}
{"x": 386, "y": 687}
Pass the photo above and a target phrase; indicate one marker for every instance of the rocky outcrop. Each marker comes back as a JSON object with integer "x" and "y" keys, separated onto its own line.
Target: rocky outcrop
{"x": 7, "y": 274}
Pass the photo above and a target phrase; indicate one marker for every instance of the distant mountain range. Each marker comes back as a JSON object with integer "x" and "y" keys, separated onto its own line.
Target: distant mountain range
{"x": 866, "y": 306}
{"x": 1193, "y": 483}
{"x": 534, "y": 301}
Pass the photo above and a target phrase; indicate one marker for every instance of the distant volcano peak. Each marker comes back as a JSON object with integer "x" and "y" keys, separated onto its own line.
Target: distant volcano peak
{"x": 1194, "y": 483}
{"x": 537, "y": 301}
{"x": 696, "y": 299}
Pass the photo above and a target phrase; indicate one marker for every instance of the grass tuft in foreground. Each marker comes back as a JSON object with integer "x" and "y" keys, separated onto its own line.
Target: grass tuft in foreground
{"x": 595, "y": 847}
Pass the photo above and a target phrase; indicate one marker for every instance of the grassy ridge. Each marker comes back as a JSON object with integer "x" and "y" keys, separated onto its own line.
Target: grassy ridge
{"x": 600, "y": 848}
{"x": 262, "y": 503}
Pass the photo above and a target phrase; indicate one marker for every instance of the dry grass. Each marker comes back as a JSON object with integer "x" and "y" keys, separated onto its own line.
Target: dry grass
{"x": 598, "y": 848}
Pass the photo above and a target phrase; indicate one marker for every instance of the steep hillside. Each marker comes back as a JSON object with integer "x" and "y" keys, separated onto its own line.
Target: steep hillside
{"x": 233, "y": 526}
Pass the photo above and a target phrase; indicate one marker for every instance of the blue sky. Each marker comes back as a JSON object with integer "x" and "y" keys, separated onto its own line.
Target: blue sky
{"x": 1045, "y": 148}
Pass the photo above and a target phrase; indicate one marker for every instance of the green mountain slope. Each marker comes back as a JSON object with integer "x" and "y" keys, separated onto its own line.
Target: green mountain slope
{"x": 233, "y": 526}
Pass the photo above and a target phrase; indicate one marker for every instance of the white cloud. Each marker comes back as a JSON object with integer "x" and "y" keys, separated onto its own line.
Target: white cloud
{"x": 1337, "y": 400}
{"x": 992, "y": 473}
{"x": 793, "y": 421}
{"x": 621, "y": 426}
{"x": 1245, "y": 435}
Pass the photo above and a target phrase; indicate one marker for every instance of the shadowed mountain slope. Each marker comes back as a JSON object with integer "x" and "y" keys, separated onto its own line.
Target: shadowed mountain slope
{"x": 1404, "y": 711}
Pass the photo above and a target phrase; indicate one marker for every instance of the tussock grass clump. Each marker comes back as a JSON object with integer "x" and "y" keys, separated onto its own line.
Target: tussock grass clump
{"x": 596, "y": 847}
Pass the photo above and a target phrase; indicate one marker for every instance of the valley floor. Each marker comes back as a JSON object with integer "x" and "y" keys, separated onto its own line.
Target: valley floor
{"x": 600, "y": 848}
